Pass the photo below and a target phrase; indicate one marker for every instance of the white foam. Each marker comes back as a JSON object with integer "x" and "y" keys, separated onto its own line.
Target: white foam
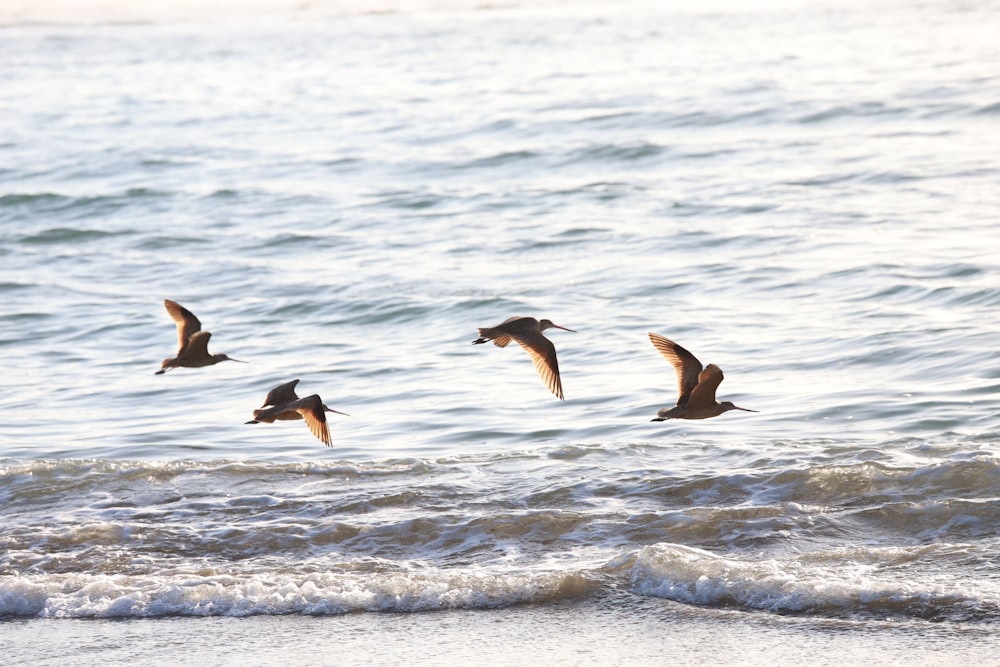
{"x": 860, "y": 580}
{"x": 117, "y": 596}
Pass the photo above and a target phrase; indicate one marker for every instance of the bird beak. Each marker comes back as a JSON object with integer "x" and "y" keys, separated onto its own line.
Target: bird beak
{"x": 337, "y": 411}
{"x": 563, "y": 328}
{"x": 238, "y": 361}
{"x": 657, "y": 419}
{"x": 745, "y": 409}
{"x": 252, "y": 421}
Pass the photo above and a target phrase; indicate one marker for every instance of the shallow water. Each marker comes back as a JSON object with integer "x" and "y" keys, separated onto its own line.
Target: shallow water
{"x": 801, "y": 193}
{"x": 621, "y": 630}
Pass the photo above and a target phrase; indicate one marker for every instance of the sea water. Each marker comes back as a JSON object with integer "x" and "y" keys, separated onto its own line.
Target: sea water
{"x": 802, "y": 193}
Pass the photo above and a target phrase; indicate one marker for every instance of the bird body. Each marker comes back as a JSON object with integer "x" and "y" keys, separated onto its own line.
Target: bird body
{"x": 192, "y": 349}
{"x": 527, "y": 331}
{"x": 696, "y": 386}
{"x": 283, "y": 404}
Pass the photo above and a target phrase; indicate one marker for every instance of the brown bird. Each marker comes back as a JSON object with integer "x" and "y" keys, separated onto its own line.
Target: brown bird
{"x": 695, "y": 387}
{"x": 192, "y": 350}
{"x": 285, "y": 404}
{"x": 527, "y": 331}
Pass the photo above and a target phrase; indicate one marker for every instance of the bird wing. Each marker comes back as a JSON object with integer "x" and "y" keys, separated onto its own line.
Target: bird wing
{"x": 187, "y": 323}
{"x": 708, "y": 381}
{"x": 685, "y": 364}
{"x": 311, "y": 409}
{"x": 543, "y": 356}
{"x": 502, "y": 341}
{"x": 197, "y": 346}
{"x": 515, "y": 327}
{"x": 501, "y": 334}
{"x": 282, "y": 394}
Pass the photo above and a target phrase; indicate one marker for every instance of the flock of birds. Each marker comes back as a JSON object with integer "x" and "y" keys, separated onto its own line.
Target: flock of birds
{"x": 696, "y": 385}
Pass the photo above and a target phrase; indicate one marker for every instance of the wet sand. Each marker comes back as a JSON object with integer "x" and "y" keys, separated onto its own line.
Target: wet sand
{"x": 613, "y": 632}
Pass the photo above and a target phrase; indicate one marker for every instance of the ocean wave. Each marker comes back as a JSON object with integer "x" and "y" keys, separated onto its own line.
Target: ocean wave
{"x": 848, "y": 582}
{"x": 35, "y": 210}
{"x": 56, "y": 235}
{"x": 501, "y": 159}
{"x": 394, "y": 589}
{"x": 856, "y": 110}
{"x": 523, "y": 506}
{"x": 989, "y": 109}
{"x": 855, "y": 582}
{"x": 967, "y": 475}
{"x": 622, "y": 152}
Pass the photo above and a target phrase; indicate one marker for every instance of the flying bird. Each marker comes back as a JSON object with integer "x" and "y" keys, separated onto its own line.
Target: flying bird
{"x": 695, "y": 387}
{"x": 192, "y": 350}
{"x": 527, "y": 331}
{"x": 282, "y": 403}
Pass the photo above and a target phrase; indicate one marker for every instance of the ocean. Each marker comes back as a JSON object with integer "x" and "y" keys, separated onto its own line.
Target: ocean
{"x": 803, "y": 193}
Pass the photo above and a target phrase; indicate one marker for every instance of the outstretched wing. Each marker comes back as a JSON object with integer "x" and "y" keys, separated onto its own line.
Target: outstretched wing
{"x": 311, "y": 409}
{"x": 543, "y": 356}
{"x": 685, "y": 364}
{"x": 187, "y": 323}
{"x": 283, "y": 394}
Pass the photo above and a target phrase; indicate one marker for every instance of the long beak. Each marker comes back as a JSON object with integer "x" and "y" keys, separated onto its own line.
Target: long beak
{"x": 556, "y": 326}
{"x": 252, "y": 421}
{"x": 658, "y": 419}
{"x": 237, "y": 361}
{"x": 337, "y": 411}
{"x": 744, "y": 409}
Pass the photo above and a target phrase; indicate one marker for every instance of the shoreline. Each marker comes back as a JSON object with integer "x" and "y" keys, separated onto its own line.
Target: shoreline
{"x": 597, "y": 632}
